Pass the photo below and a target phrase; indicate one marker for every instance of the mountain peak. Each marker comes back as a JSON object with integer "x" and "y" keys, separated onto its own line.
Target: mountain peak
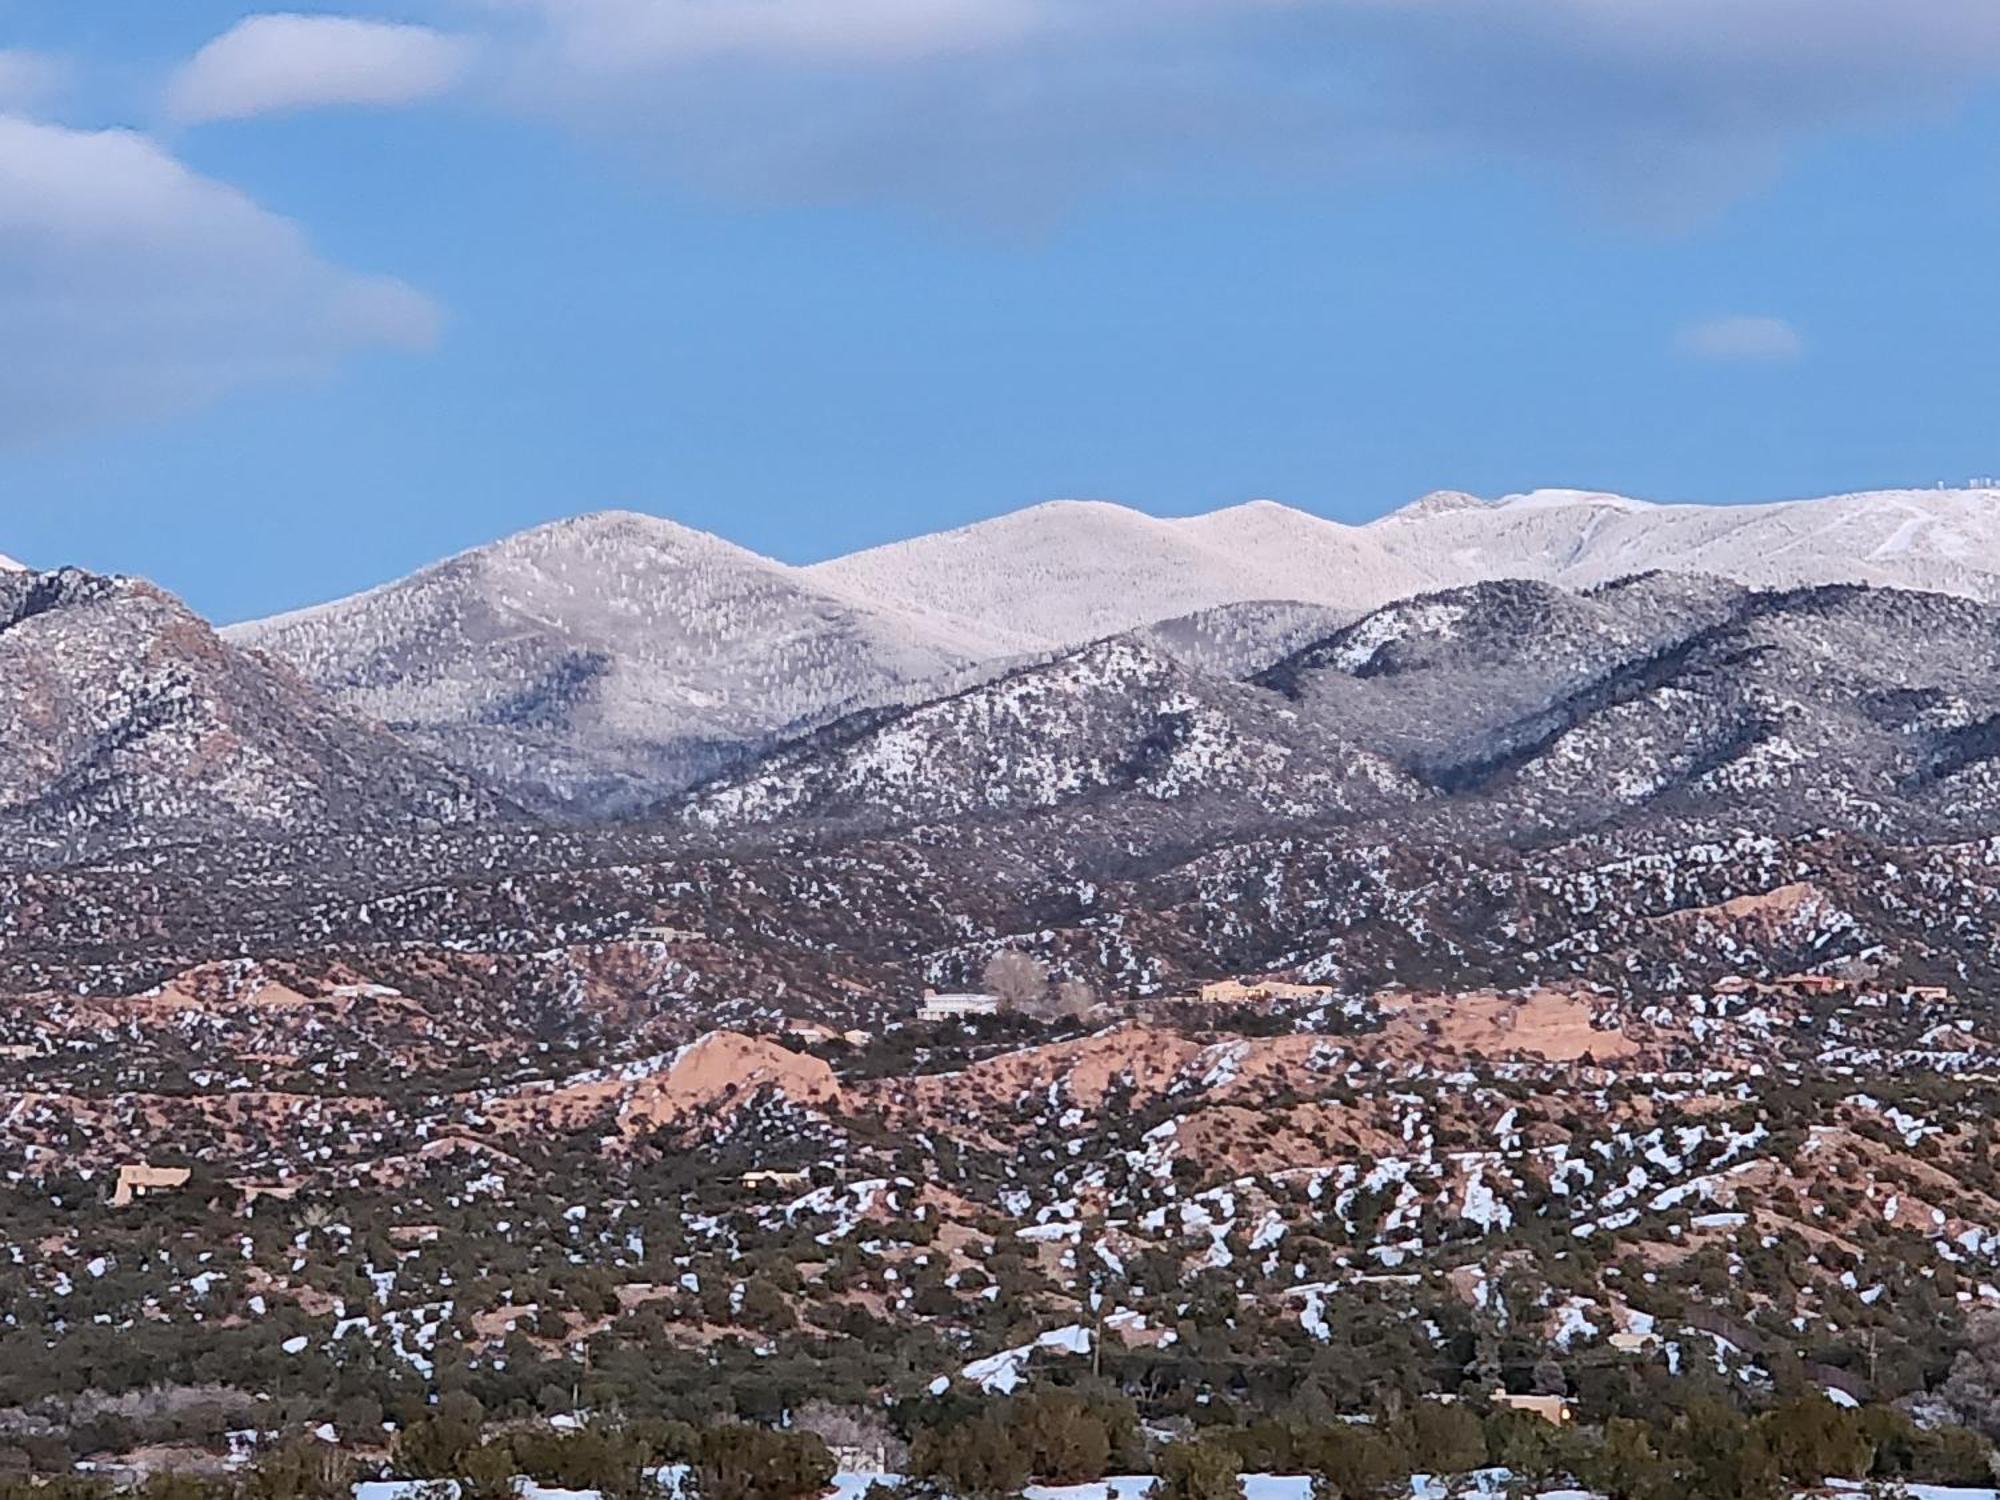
{"x": 1258, "y": 507}
{"x": 1053, "y": 575}
{"x": 590, "y": 661}
{"x": 1070, "y": 507}
{"x": 1436, "y": 503}
{"x": 597, "y": 529}
{"x": 1258, "y": 513}
{"x": 1554, "y": 498}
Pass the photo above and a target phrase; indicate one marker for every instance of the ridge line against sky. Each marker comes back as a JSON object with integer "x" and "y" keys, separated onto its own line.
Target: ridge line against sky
{"x": 298, "y": 299}
{"x": 1978, "y": 489}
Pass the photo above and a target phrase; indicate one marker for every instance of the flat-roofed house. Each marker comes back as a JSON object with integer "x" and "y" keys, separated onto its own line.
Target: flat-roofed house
{"x": 137, "y": 1180}
{"x": 936, "y": 1007}
{"x": 1551, "y": 1409}
{"x": 1252, "y": 991}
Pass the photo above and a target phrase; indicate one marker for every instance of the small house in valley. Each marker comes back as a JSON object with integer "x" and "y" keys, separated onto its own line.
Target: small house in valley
{"x": 936, "y": 1007}
{"x": 1260, "y": 991}
{"x": 1551, "y": 1409}
{"x": 137, "y": 1180}
{"x": 770, "y": 1177}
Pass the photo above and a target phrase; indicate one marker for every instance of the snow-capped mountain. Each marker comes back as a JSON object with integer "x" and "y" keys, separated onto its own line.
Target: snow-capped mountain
{"x": 591, "y": 662}
{"x": 597, "y": 665}
{"x": 1503, "y": 711}
{"x": 1946, "y": 541}
{"x": 124, "y": 720}
{"x": 1071, "y": 571}
{"x": 8, "y": 565}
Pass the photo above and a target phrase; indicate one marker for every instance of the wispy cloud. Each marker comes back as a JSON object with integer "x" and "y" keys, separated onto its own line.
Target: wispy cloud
{"x": 1741, "y": 338}
{"x": 1665, "y": 108}
{"x": 132, "y": 286}
{"x": 623, "y": 36}
{"x": 28, "y": 78}
{"x": 281, "y": 63}
{"x": 1669, "y": 107}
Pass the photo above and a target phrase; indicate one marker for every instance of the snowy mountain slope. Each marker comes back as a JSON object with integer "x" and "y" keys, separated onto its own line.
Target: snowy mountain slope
{"x": 1431, "y": 680}
{"x": 592, "y": 662}
{"x": 8, "y": 565}
{"x": 1499, "y": 711}
{"x": 1072, "y": 571}
{"x": 1839, "y": 705}
{"x": 1230, "y": 641}
{"x": 1116, "y": 718}
{"x": 1944, "y": 541}
{"x": 1238, "y": 640}
{"x": 599, "y": 664}
{"x": 124, "y": 721}
{"x": 1069, "y": 571}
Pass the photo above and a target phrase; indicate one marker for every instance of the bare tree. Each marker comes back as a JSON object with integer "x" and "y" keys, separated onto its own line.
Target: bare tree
{"x": 1020, "y": 980}
{"x": 1074, "y": 999}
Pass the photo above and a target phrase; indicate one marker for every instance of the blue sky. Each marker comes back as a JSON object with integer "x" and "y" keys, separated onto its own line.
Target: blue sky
{"x": 295, "y": 303}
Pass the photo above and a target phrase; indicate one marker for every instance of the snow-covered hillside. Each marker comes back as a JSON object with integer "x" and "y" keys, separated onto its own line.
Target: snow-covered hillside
{"x": 592, "y": 661}
{"x": 125, "y": 722}
{"x": 1071, "y": 571}
{"x": 1119, "y": 716}
{"x": 1942, "y": 540}
{"x": 1487, "y": 709}
{"x": 8, "y": 565}
{"x": 1860, "y": 708}
{"x": 602, "y": 663}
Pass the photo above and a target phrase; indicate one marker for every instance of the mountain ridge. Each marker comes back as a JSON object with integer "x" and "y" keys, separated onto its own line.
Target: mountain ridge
{"x": 126, "y": 720}
{"x": 590, "y": 660}
{"x": 592, "y": 666}
{"x": 1511, "y": 710}
{"x": 1120, "y": 717}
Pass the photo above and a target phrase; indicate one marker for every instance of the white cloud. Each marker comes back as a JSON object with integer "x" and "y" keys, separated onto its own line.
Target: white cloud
{"x": 131, "y": 287}
{"x": 1669, "y": 107}
{"x": 626, "y": 35}
{"x": 276, "y": 63}
{"x": 1740, "y": 338}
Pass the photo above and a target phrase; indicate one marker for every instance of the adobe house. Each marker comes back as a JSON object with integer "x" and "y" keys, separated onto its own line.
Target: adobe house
{"x": 137, "y": 1180}
{"x": 1253, "y": 991}
{"x": 1551, "y": 1409}
{"x": 770, "y": 1177}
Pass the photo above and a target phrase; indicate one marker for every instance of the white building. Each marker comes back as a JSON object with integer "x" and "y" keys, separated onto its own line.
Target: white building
{"x": 938, "y": 1007}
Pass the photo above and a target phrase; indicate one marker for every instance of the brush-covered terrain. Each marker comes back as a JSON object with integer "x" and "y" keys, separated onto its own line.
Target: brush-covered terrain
{"x": 1534, "y": 1024}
